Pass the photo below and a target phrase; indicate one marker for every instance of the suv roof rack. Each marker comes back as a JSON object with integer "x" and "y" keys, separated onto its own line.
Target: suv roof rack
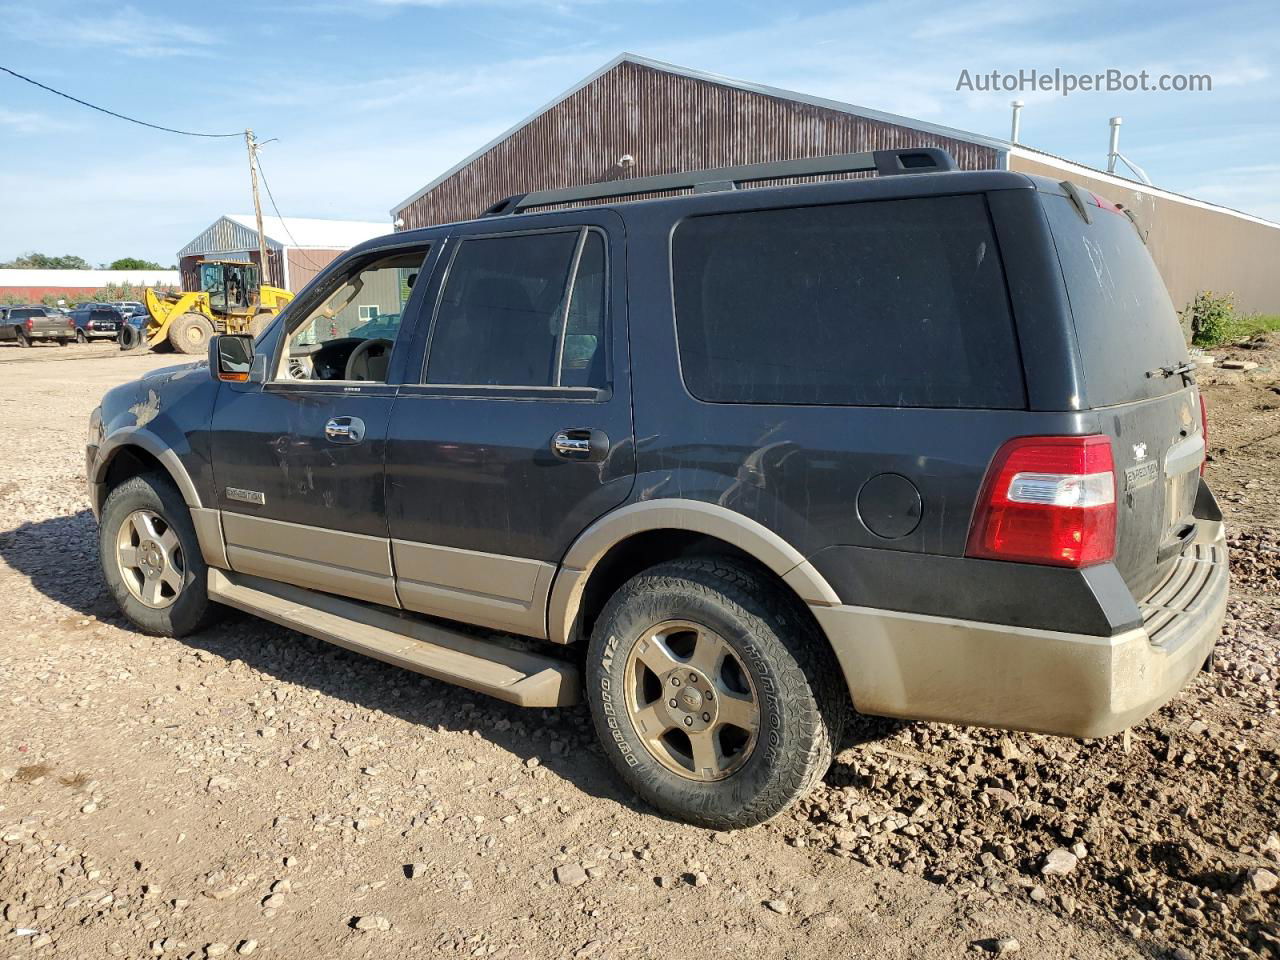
{"x": 883, "y": 162}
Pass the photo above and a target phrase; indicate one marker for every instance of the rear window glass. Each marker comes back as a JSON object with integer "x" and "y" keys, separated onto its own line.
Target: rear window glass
{"x": 884, "y": 303}
{"x": 1125, "y": 322}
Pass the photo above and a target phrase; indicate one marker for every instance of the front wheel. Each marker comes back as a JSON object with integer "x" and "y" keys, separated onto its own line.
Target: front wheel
{"x": 717, "y": 700}
{"x": 151, "y": 558}
{"x": 190, "y": 333}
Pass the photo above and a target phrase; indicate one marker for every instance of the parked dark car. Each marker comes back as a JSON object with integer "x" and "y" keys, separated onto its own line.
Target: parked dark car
{"x": 97, "y": 321}
{"x": 31, "y": 324}
{"x": 929, "y": 444}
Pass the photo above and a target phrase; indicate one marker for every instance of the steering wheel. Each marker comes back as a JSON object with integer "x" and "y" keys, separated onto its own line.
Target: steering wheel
{"x": 359, "y": 365}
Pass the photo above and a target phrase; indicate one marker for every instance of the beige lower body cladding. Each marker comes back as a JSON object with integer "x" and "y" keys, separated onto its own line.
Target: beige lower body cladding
{"x": 935, "y": 668}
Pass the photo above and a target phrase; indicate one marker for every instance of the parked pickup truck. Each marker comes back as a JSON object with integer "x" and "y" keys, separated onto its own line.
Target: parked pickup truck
{"x": 26, "y": 325}
{"x": 928, "y": 445}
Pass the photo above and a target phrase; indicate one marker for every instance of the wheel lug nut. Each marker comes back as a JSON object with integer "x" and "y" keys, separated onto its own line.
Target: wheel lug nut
{"x": 693, "y": 678}
{"x": 675, "y": 681}
{"x": 688, "y": 721}
{"x": 706, "y": 718}
{"x": 672, "y": 702}
{"x": 709, "y": 695}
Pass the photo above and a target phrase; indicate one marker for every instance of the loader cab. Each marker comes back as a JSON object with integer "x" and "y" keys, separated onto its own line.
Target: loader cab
{"x": 232, "y": 286}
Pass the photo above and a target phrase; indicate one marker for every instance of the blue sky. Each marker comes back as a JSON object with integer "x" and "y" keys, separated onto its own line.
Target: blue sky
{"x": 369, "y": 99}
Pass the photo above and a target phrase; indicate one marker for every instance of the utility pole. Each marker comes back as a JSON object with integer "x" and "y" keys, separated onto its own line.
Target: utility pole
{"x": 252, "y": 144}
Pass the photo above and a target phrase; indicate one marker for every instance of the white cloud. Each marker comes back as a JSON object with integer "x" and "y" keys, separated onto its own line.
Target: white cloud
{"x": 126, "y": 31}
{"x": 20, "y": 121}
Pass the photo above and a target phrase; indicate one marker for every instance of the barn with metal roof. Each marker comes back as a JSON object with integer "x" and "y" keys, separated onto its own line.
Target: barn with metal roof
{"x": 638, "y": 117}
{"x": 297, "y": 247}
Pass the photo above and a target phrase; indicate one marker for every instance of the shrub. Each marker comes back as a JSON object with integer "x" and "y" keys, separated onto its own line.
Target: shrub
{"x": 1211, "y": 318}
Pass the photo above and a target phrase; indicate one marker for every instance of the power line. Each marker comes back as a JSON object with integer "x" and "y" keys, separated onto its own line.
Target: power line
{"x": 112, "y": 113}
{"x": 280, "y": 216}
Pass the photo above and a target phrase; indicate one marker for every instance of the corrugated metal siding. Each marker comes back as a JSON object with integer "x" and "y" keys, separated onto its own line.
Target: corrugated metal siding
{"x": 224, "y": 236}
{"x": 668, "y": 123}
{"x": 304, "y": 264}
{"x": 1194, "y": 248}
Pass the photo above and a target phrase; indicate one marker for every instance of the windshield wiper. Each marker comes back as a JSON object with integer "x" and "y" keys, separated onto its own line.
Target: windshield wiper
{"x": 1174, "y": 369}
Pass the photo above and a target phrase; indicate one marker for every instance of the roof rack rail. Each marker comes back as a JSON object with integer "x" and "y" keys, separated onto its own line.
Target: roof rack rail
{"x": 883, "y": 162}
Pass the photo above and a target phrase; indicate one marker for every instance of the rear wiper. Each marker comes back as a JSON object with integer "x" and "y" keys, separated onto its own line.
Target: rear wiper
{"x": 1174, "y": 369}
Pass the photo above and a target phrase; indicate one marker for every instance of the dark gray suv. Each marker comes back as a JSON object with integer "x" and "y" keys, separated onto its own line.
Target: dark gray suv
{"x": 927, "y": 444}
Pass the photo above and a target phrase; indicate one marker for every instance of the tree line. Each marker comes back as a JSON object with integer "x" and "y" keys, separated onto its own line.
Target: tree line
{"x": 41, "y": 261}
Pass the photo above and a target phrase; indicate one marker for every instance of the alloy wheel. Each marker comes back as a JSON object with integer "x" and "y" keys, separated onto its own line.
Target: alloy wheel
{"x": 691, "y": 700}
{"x": 150, "y": 558}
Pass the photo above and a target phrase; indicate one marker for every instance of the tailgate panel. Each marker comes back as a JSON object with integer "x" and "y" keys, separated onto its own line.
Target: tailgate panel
{"x": 1158, "y": 448}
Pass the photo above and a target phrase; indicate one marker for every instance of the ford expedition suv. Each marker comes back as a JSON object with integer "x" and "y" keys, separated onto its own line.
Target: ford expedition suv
{"x": 722, "y": 463}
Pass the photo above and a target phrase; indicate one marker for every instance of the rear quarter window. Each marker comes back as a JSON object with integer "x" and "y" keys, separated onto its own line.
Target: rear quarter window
{"x": 881, "y": 303}
{"x": 1125, "y": 322}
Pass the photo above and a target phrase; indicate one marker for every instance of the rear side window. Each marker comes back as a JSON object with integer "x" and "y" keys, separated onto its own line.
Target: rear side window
{"x": 525, "y": 311}
{"x": 1125, "y": 322}
{"x": 884, "y": 303}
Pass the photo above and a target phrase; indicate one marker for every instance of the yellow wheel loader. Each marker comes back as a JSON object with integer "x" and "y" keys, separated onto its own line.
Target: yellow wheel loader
{"x": 231, "y": 299}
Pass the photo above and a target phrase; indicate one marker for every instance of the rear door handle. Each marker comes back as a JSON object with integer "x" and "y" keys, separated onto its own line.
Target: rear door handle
{"x": 581, "y": 444}
{"x": 344, "y": 430}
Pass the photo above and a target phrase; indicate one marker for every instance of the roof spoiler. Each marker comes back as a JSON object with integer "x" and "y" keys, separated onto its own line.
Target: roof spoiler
{"x": 885, "y": 163}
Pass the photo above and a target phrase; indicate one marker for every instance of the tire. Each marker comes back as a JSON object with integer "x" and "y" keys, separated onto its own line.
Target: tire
{"x": 81, "y": 337}
{"x": 260, "y": 323}
{"x": 768, "y": 650}
{"x": 182, "y": 606}
{"x": 23, "y": 339}
{"x": 190, "y": 334}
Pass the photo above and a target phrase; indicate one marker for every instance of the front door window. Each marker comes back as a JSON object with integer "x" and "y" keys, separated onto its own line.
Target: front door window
{"x": 351, "y": 334}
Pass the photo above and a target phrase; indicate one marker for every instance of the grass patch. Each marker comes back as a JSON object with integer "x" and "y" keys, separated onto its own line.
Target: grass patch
{"x": 1242, "y": 327}
{"x": 1211, "y": 320}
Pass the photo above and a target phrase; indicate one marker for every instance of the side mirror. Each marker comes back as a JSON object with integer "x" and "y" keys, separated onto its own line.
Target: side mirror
{"x": 231, "y": 358}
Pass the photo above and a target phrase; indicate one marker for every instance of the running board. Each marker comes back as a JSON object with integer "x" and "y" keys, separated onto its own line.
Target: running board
{"x": 516, "y": 676}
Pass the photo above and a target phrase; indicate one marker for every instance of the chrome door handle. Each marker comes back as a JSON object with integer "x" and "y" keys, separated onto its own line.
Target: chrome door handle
{"x": 581, "y": 444}
{"x": 344, "y": 430}
{"x": 568, "y": 446}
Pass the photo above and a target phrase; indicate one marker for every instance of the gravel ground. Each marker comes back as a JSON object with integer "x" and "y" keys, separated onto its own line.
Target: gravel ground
{"x": 250, "y": 791}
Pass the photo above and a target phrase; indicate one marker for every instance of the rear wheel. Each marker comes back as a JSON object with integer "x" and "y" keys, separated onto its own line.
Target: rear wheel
{"x": 151, "y": 558}
{"x": 716, "y": 699}
{"x": 190, "y": 333}
{"x": 22, "y": 338}
{"x": 81, "y": 337}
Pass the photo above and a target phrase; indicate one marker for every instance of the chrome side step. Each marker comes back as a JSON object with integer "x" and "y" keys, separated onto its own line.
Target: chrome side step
{"x": 516, "y": 676}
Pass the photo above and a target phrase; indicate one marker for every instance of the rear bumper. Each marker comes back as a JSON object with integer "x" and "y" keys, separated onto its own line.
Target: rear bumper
{"x": 960, "y": 671}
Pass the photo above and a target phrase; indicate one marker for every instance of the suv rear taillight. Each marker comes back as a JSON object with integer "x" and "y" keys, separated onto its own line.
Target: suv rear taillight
{"x": 71, "y": 323}
{"x": 1048, "y": 500}
{"x": 31, "y": 323}
{"x": 1204, "y": 434}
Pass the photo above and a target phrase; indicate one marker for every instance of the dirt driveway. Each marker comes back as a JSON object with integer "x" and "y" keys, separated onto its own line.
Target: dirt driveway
{"x": 250, "y": 791}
